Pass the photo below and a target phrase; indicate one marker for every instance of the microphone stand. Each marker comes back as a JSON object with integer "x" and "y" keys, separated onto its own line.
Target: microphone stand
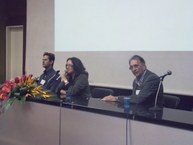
{"x": 155, "y": 107}
{"x": 61, "y": 101}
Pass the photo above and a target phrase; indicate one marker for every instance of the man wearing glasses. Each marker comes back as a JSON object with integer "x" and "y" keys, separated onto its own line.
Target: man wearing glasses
{"x": 145, "y": 85}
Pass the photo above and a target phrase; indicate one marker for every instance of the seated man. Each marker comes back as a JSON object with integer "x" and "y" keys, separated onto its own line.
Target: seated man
{"x": 145, "y": 85}
{"x": 50, "y": 78}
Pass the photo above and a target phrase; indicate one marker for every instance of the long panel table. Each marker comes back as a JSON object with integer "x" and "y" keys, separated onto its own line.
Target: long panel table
{"x": 93, "y": 122}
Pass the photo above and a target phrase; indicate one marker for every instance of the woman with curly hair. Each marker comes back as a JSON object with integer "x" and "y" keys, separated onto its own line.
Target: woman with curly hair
{"x": 75, "y": 80}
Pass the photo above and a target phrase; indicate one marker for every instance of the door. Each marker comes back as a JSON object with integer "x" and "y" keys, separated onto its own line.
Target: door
{"x": 14, "y": 51}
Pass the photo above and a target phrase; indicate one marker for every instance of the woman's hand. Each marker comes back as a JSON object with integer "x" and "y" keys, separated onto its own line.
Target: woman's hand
{"x": 64, "y": 78}
{"x": 62, "y": 94}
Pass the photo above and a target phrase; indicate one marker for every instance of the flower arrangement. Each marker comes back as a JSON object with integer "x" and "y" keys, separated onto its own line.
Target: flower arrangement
{"x": 19, "y": 89}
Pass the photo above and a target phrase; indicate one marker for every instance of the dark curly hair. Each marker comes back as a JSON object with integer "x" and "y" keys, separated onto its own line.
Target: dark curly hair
{"x": 77, "y": 65}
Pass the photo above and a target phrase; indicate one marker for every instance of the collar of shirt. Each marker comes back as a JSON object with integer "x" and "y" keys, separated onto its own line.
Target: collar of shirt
{"x": 139, "y": 82}
{"x": 47, "y": 71}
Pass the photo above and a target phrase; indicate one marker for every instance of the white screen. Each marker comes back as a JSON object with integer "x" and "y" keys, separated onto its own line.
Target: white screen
{"x": 109, "y": 68}
{"x": 123, "y": 25}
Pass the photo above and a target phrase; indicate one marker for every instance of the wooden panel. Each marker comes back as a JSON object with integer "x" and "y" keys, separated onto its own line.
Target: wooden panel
{"x": 15, "y": 12}
{"x": 12, "y": 12}
{"x": 85, "y": 128}
{"x": 30, "y": 124}
{"x": 2, "y": 42}
{"x": 151, "y": 134}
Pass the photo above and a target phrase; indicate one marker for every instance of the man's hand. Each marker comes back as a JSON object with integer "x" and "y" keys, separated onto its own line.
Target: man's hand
{"x": 110, "y": 98}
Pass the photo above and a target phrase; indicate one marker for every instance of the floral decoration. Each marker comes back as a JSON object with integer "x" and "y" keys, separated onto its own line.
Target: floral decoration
{"x": 19, "y": 89}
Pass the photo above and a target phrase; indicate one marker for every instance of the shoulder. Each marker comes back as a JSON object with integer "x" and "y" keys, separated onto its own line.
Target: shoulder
{"x": 52, "y": 70}
{"x": 83, "y": 75}
{"x": 151, "y": 75}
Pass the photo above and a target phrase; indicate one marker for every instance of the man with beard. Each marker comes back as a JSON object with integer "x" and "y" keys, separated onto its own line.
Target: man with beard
{"x": 50, "y": 78}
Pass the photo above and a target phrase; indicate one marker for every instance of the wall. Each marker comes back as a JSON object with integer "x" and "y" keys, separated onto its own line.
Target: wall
{"x": 105, "y": 68}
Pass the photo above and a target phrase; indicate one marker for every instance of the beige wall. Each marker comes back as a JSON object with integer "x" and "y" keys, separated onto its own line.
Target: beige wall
{"x": 105, "y": 68}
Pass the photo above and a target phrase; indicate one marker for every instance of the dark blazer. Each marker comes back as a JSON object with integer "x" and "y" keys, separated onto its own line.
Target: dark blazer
{"x": 51, "y": 79}
{"x": 77, "y": 87}
{"x": 147, "y": 90}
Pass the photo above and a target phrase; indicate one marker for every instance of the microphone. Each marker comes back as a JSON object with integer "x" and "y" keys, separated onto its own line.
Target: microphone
{"x": 169, "y": 72}
{"x": 57, "y": 72}
{"x": 155, "y": 107}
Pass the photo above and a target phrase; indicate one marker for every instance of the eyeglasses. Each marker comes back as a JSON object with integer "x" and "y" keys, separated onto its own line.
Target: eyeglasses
{"x": 134, "y": 66}
{"x": 69, "y": 65}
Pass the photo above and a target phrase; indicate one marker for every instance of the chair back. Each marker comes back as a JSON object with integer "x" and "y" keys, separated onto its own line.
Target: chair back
{"x": 171, "y": 101}
{"x": 101, "y": 92}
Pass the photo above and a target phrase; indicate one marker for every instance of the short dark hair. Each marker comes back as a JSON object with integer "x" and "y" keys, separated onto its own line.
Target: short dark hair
{"x": 51, "y": 56}
{"x": 77, "y": 65}
{"x": 137, "y": 57}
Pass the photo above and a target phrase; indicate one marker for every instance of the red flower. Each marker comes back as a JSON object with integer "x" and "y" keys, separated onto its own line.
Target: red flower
{"x": 17, "y": 80}
{"x": 23, "y": 78}
{"x": 3, "y": 95}
{"x": 6, "y": 88}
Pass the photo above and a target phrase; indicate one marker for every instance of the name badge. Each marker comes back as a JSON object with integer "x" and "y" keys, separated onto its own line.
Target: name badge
{"x": 42, "y": 82}
{"x": 137, "y": 92}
